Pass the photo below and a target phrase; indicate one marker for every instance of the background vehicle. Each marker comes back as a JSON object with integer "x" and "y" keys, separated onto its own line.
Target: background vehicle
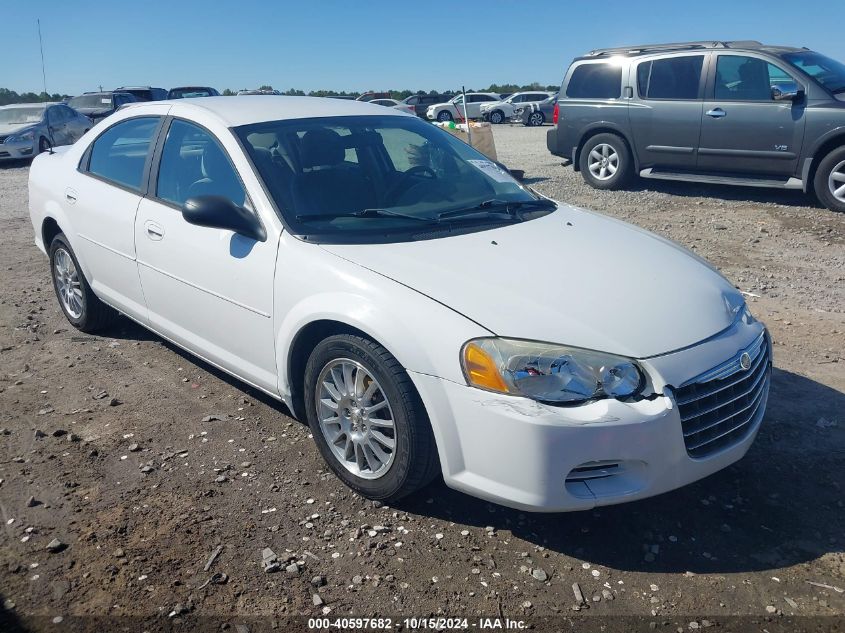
{"x": 145, "y": 93}
{"x": 421, "y": 102}
{"x": 501, "y": 111}
{"x": 454, "y": 108}
{"x": 258, "y": 91}
{"x": 535, "y": 114}
{"x": 393, "y": 103}
{"x": 98, "y": 105}
{"x": 185, "y": 92}
{"x": 27, "y": 129}
{"x": 738, "y": 113}
{"x": 370, "y": 96}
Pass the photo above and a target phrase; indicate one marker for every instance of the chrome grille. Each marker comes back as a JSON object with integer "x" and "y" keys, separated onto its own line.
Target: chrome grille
{"x": 719, "y": 408}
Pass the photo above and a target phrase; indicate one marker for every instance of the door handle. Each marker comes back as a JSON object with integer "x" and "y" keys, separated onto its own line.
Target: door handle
{"x": 154, "y": 231}
{"x": 716, "y": 113}
{"x": 70, "y": 195}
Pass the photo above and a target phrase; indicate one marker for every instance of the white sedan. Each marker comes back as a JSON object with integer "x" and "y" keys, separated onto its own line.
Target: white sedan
{"x": 393, "y": 103}
{"x": 419, "y": 308}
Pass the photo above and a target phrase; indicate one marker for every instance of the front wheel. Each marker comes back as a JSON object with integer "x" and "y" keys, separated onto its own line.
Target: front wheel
{"x": 497, "y": 116}
{"x": 78, "y": 302}
{"x": 43, "y": 145}
{"x": 605, "y": 162}
{"x": 367, "y": 419}
{"x": 444, "y": 116}
{"x": 830, "y": 180}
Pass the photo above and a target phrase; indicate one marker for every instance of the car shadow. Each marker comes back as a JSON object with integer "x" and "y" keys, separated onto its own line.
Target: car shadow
{"x": 15, "y": 163}
{"x": 9, "y": 621}
{"x": 779, "y": 506}
{"x": 728, "y": 193}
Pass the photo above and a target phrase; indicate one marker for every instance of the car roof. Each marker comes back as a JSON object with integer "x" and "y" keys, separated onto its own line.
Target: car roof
{"x": 260, "y": 108}
{"x": 647, "y": 49}
{"x": 37, "y": 104}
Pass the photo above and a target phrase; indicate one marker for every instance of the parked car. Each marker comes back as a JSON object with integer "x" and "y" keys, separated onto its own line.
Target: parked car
{"x": 98, "y": 105}
{"x": 421, "y": 102}
{"x": 412, "y": 345}
{"x": 259, "y": 91}
{"x": 186, "y": 92}
{"x": 736, "y": 113}
{"x": 393, "y": 103}
{"x": 501, "y": 111}
{"x": 535, "y": 114}
{"x": 454, "y": 108}
{"x": 27, "y": 129}
{"x": 370, "y": 96}
{"x": 145, "y": 93}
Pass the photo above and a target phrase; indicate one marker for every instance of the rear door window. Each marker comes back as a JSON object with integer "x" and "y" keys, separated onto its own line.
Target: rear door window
{"x": 676, "y": 78}
{"x": 595, "y": 81}
{"x": 120, "y": 153}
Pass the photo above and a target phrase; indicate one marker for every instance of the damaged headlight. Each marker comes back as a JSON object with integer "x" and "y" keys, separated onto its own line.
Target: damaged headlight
{"x": 548, "y": 373}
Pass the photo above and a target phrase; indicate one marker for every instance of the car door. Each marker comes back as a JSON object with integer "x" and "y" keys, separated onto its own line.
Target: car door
{"x": 665, "y": 109}
{"x": 209, "y": 290}
{"x": 744, "y": 129}
{"x": 57, "y": 125}
{"x": 102, "y": 197}
{"x": 474, "y": 105}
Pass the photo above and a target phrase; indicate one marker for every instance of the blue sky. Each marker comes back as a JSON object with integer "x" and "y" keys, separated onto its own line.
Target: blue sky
{"x": 368, "y": 44}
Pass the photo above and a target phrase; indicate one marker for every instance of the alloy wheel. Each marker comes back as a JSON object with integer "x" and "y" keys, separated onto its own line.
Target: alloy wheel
{"x": 536, "y": 119}
{"x": 836, "y": 182}
{"x": 603, "y": 161}
{"x": 68, "y": 286}
{"x": 355, "y": 418}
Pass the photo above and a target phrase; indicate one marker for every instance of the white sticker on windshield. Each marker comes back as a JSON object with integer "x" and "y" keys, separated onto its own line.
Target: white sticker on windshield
{"x": 105, "y": 100}
{"x": 493, "y": 170}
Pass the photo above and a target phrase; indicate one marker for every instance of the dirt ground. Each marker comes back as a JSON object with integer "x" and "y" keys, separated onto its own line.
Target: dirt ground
{"x": 142, "y": 461}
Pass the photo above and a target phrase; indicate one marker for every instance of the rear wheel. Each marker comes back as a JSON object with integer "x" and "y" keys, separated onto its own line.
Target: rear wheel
{"x": 444, "y": 116}
{"x": 497, "y": 116}
{"x": 80, "y": 305}
{"x": 605, "y": 162}
{"x": 367, "y": 419}
{"x": 536, "y": 119}
{"x": 830, "y": 180}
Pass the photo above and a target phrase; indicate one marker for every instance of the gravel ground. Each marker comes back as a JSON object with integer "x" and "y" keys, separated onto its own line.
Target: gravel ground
{"x": 141, "y": 462}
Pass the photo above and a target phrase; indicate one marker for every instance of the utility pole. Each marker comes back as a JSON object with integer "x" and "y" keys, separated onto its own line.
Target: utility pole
{"x": 41, "y": 46}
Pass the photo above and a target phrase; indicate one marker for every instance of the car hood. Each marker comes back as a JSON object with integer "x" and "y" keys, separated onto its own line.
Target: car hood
{"x": 15, "y": 128}
{"x": 572, "y": 277}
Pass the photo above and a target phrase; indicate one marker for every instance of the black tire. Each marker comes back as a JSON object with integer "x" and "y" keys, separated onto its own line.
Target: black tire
{"x": 95, "y": 315}
{"x": 43, "y": 145}
{"x": 415, "y": 461}
{"x": 536, "y": 119}
{"x": 497, "y": 116}
{"x": 624, "y": 163}
{"x": 444, "y": 115}
{"x": 834, "y": 161}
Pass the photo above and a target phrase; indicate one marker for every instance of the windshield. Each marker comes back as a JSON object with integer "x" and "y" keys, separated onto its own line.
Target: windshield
{"x": 828, "y": 72}
{"x": 361, "y": 178}
{"x": 21, "y": 116}
{"x": 99, "y": 101}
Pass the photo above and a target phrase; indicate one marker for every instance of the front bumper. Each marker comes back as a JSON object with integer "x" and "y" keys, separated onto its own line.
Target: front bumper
{"x": 527, "y": 455}
{"x": 17, "y": 151}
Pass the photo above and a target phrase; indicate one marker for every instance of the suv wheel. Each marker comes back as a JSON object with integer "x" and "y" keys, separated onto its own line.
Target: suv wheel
{"x": 367, "y": 419}
{"x": 497, "y": 116}
{"x": 536, "y": 119}
{"x": 444, "y": 116}
{"x": 79, "y": 303}
{"x": 606, "y": 162}
{"x": 830, "y": 180}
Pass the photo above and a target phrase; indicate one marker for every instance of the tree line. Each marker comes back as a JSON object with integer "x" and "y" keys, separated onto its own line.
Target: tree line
{"x": 10, "y": 96}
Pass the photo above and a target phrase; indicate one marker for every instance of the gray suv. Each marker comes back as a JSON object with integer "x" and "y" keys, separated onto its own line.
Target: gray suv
{"x": 738, "y": 113}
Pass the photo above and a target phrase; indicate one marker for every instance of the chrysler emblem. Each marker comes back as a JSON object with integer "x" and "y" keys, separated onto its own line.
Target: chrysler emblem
{"x": 745, "y": 361}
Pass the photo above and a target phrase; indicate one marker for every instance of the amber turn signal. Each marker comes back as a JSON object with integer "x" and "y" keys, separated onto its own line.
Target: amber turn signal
{"x": 481, "y": 370}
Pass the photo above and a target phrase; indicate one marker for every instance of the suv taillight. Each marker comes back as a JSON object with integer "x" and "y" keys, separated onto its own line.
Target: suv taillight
{"x": 555, "y": 113}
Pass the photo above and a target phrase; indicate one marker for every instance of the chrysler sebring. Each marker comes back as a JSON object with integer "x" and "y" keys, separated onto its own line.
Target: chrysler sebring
{"x": 424, "y": 312}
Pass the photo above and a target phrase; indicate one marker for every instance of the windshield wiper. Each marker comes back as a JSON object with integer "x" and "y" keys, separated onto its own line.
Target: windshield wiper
{"x": 499, "y": 207}
{"x": 365, "y": 214}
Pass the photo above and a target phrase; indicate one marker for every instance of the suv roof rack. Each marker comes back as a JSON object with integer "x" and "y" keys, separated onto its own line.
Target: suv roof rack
{"x": 641, "y": 49}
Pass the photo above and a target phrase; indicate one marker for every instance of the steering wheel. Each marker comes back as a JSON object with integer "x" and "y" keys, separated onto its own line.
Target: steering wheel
{"x": 415, "y": 171}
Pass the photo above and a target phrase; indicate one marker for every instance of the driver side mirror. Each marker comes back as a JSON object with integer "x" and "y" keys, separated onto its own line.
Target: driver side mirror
{"x": 218, "y": 212}
{"x": 787, "y": 92}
